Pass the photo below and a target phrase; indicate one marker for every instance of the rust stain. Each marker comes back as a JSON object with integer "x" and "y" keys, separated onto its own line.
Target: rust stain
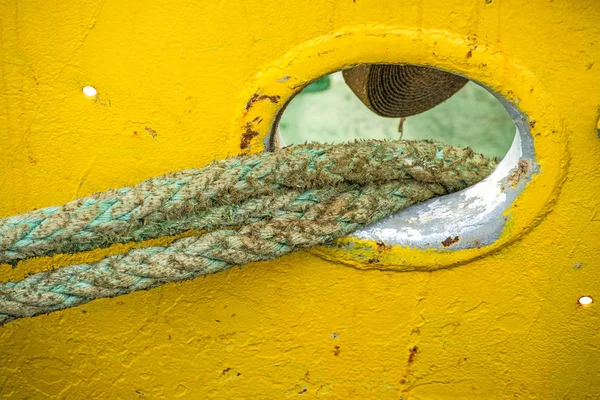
{"x": 261, "y": 97}
{"x": 450, "y": 241}
{"x": 247, "y": 136}
{"x": 516, "y": 176}
{"x": 532, "y": 124}
{"x": 469, "y": 54}
{"x": 373, "y": 260}
{"x": 336, "y": 351}
{"x": 381, "y": 247}
{"x": 413, "y": 354}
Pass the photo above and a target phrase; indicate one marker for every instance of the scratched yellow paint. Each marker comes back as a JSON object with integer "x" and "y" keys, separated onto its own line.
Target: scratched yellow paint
{"x": 174, "y": 80}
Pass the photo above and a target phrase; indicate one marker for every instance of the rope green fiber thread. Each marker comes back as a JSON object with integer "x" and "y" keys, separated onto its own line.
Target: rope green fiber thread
{"x": 296, "y": 198}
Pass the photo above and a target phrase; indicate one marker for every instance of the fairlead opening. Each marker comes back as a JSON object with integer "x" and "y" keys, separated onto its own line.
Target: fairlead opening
{"x": 420, "y": 103}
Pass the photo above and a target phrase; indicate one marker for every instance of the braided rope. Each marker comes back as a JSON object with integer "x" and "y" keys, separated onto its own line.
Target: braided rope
{"x": 176, "y": 202}
{"x": 297, "y": 198}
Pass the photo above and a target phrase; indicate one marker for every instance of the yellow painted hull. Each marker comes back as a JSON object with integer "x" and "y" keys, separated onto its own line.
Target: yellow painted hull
{"x": 183, "y": 83}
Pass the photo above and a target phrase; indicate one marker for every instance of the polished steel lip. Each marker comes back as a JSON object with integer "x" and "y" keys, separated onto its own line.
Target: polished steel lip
{"x": 473, "y": 217}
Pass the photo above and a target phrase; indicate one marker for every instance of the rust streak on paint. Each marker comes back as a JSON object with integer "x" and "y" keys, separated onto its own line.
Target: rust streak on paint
{"x": 381, "y": 247}
{"x": 336, "y": 351}
{"x": 519, "y": 173}
{"x": 247, "y": 136}
{"x": 449, "y": 241}
{"x": 412, "y": 354}
{"x": 261, "y": 97}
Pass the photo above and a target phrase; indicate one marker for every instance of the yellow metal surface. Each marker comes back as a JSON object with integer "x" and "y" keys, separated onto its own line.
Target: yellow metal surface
{"x": 183, "y": 83}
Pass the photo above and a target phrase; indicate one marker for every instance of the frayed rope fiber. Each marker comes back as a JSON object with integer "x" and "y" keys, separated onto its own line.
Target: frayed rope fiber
{"x": 253, "y": 208}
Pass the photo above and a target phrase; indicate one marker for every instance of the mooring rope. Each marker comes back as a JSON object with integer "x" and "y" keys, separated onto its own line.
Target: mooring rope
{"x": 253, "y": 208}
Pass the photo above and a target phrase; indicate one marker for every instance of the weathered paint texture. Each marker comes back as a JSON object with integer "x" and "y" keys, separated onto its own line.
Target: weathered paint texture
{"x": 183, "y": 83}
